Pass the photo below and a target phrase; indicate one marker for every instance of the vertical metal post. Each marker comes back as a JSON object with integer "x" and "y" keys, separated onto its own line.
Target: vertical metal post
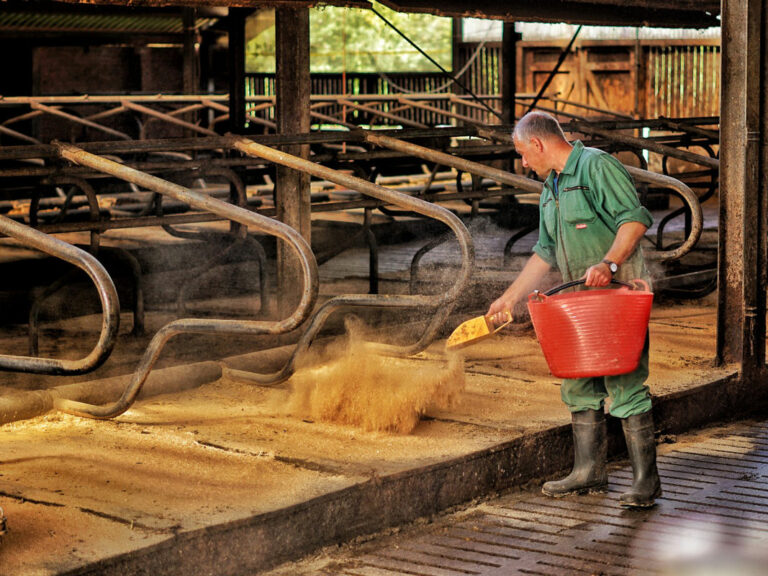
{"x": 753, "y": 347}
{"x": 640, "y": 67}
{"x": 457, "y": 37}
{"x": 761, "y": 216}
{"x": 732, "y": 162}
{"x": 741, "y": 266}
{"x": 236, "y": 60}
{"x": 292, "y": 194}
{"x": 191, "y": 59}
{"x": 509, "y": 40}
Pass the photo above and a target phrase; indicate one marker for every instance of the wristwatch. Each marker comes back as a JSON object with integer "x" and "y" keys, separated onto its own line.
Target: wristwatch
{"x": 612, "y": 266}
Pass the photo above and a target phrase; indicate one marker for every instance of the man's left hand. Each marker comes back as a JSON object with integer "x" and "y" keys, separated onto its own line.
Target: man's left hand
{"x": 598, "y": 275}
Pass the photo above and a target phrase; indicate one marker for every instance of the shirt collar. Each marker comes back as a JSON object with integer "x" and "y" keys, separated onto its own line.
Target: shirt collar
{"x": 573, "y": 157}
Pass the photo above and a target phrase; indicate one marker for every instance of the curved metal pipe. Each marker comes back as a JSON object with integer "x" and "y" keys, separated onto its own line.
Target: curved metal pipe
{"x": 93, "y": 207}
{"x": 238, "y": 234}
{"x": 500, "y": 176}
{"x": 711, "y": 188}
{"x": 522, "y": 183}
{"x": 107, "y": 295}
{"x": 686, "y": 195}
{"x": 236, "y": 231}
{"x": 134, "y": 269}
{"x": 91, "y": 198}
{"x": 643, "y": 144}
{"x": 443, "y": 303}
{"x": 33, "y": 319}
{"x": 205, "y": 270}
{"x": 399, "y": 199}
{"x": 347, "y": 301}
{"x": 520, "y": 234}
{"x": 200, "y": 326}
{"x": 420, "y": 253}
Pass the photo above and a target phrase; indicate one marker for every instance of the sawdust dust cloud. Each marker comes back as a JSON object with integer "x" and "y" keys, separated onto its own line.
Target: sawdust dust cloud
{"x": 350, "y": 383}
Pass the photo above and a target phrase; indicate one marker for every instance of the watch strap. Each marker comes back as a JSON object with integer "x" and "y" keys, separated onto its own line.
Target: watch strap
{"x": 612, "y": 266}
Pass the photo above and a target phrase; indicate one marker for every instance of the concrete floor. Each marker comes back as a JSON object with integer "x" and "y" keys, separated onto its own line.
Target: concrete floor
{"x": 710, "y": 521}
{"x": 232, "y": 478}
{"x": 80, "y": 491}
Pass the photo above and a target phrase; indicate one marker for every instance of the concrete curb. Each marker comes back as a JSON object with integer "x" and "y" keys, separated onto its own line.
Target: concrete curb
{"x": 264, "y": 541}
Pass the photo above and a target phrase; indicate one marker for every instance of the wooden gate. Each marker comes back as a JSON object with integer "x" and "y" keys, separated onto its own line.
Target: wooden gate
{"x": 674, "y": 78}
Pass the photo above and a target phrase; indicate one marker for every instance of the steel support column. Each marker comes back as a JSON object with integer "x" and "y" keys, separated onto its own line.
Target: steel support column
{"x": 236, "y": 61}
{"x": 292, "y": 196}
{"x": 191, "y": 57}
{"x": 509, "y": 40}
{"x": 741, "y": 266}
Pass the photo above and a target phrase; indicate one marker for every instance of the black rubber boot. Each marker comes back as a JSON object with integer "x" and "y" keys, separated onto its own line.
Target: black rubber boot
{"x": 646, "y": 485}
{"x": 590, "y": 450}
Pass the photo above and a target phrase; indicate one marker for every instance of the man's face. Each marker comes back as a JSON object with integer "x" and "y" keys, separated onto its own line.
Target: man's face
{"x": 532, "y": 153}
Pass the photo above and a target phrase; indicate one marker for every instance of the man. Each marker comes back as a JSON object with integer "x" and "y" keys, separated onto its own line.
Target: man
{"x": 590, "y": 224}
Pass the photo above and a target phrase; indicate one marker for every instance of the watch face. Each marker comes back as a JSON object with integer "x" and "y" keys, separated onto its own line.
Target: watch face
{"x": 613, "y": 266}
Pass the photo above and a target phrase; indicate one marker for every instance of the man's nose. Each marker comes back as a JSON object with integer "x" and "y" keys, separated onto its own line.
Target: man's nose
{"x": 525, "y": 162}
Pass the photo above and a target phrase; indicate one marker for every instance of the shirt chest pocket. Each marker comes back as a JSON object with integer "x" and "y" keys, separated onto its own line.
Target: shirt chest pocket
{"x": 575, "y": 207}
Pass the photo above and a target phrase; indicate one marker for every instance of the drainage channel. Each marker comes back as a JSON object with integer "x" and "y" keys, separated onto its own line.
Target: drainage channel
{"x": 712, "y": 519}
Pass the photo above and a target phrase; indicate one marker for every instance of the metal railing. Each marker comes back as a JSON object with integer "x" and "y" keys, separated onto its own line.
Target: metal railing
{"x": 441, "y": 305}
{"x": 110, "y": 305}
{"x": 200, "y": 326}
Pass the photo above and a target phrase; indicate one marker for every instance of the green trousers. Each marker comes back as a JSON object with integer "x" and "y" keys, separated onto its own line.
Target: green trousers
{"x": 628, "y": 393}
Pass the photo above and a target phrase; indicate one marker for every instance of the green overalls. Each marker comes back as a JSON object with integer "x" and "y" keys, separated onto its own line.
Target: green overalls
{"x": 577, "y": 226}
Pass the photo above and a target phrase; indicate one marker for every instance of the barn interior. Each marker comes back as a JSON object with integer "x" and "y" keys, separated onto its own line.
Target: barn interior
{"x": 237, "y": 234}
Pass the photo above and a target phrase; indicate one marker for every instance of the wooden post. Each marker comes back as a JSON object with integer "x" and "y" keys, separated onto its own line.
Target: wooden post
{"x": 741, "y": 267}
{"x": 292, "y": 107}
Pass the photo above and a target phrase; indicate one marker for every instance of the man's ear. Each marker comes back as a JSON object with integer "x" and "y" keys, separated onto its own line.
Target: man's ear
{"x": 537, "y": 143}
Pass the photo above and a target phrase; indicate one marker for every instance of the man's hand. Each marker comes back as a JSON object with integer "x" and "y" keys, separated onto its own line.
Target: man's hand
{"x": 598, "y": 275}
{"x": 531, "y": 274}
{"x": 501, "y": 310}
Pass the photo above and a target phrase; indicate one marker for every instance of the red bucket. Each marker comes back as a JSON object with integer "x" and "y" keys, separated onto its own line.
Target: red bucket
{"x": 592, "y": 332}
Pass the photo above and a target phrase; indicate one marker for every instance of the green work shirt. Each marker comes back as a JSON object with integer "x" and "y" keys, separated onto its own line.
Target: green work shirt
{"x": 577, "y": 226}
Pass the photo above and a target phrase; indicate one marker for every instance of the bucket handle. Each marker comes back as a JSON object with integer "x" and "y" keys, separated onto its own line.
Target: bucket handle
{"x": 637, "y": 283}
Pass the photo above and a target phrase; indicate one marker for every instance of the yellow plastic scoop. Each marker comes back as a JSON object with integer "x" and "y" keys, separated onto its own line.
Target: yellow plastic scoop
{"x": 473, "y": 331}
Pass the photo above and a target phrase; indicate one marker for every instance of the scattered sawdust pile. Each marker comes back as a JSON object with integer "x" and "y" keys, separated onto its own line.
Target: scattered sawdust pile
{"x": 350, "y": 383}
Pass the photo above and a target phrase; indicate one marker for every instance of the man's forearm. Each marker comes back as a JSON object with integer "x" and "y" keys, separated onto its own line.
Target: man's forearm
{"x": 627, "y": 238}
{"x": 529, "y": 278}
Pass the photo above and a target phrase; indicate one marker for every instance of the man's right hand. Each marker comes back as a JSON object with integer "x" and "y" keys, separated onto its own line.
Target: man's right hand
{"x": 501, "y": 310}
{"x": 531, "y": 275}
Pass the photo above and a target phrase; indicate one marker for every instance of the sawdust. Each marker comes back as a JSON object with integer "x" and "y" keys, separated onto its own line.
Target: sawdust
{"x": 351, "y": 382}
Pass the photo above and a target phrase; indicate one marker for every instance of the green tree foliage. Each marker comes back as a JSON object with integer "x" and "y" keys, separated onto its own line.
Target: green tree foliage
{"x": 356, "y": 40}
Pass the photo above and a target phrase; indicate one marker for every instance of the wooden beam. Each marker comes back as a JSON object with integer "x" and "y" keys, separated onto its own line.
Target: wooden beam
{"x": 599, "y": 12}
{"x": 219, "y": 3}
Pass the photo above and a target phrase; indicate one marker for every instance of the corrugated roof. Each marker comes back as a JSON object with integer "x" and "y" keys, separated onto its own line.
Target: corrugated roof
{"x": 538, "y": 31}
{"x": 22, "y": 21}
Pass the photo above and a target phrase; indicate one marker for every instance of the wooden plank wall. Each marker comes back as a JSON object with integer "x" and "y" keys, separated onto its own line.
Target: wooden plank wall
{"x": 647, "y": 79}
{"x": 683, "y": 81}
{"x": 675, "y": 78}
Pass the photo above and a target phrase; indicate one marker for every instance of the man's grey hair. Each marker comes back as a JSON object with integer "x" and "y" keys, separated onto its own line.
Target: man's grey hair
{"x": 537, "y": 124}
